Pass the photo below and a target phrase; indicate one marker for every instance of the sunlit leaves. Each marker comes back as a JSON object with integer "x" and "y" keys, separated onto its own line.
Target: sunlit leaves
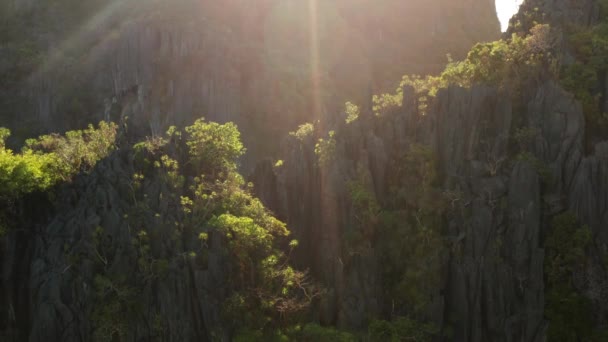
{"x": 27, "y": 172}
{"x": 213, "y": 145}
{"x": 325, "y": 149}
{"x": 4, "y": 134}
{"x": 52, "y": 158}
{"x": 216, "y": 208}
{"x": 511, "y": 61}
{"x": 304, "y": 131}
{"x": 352, "y": 112}
{"x": 244, "y": 234}
{"x": 77, "y": 150}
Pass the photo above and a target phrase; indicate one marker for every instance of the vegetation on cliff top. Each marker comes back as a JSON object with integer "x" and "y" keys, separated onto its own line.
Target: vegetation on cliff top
{"x": 508, "y": 63}
{"x": 197, "y": 168}
{"x": 47, "y": 161}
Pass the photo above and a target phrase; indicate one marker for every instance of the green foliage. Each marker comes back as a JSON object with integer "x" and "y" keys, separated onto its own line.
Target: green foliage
{"x": 77, "y": 150}
{"x": 401, "y": 329}
{"x": 411, "y": 242}
{"x": 246, "y": 237}
{"x": 366, "y": 211}
{"x": 566, "y": 245}
{"x": 325, "y": 149}
{"x": 304, "y": 131}
{"x": 510, "y": 61}
{"x": 506, "y": 62}
{"x": 352, "y": 112}
{"x": 52, "y": 158}
{"x": 183, "y": 195}
{"x": 4, "y": 134}
{"x": 215, "y": 203}
{"x": 570, "y": 314}
{"x": 27, "y": 172}
{"x": 151, "y": 145}
{"x": 405, "y": 232}
{"x": 589, "y": 47}
{"x": 214, "y": 146}
{"x": 384, "y": 102}
{"x": 116, "y": 308}
{"x": 316, "y": 333}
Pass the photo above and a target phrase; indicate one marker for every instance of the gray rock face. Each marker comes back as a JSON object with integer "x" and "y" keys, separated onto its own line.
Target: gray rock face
{"x": 559, "y": 12}
{"x": 60, "y": 294}
{"x": 472, "y": 129}
{"x": 493, "y": 285}
{"x": 495, "y": 281}
{"x": 163, "y": 64}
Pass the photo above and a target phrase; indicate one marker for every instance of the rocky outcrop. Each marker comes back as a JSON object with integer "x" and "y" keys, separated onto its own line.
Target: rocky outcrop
{"x": 501, "y": 194}
{"x": 59, "y": 284}
{"x": 562, "y": 14}
{"x": 500, "y": 204}
{"x": 163, "y": 64}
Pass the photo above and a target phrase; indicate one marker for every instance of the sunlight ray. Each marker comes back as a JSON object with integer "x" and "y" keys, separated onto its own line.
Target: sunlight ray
{"x": 315, "y": 58}
{"x": 57, "y": 55}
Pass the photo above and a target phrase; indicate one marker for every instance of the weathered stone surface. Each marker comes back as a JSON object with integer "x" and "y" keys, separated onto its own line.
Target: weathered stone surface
{"x": 163, "y": 64}
{"x": 493, "y": 286}
{"x": 560, "y": 12}
{"x": 57, "y": 290}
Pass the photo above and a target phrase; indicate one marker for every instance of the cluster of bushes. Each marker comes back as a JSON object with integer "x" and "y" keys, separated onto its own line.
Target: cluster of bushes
{"x": 583, "y": 61}
{"x": 196, "y": 170}
{"x": 507, "y": 63}
{"x": 585, "y": 77}
{"x": 45, "y": 161}
{"x": 569, "y": 311}
{"x": 405, "y": 234}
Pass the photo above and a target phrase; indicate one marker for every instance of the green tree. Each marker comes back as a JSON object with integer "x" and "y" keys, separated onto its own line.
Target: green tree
{"x": 214, "y": 146}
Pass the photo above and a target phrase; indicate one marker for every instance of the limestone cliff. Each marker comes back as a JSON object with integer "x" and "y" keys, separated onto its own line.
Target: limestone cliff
{"x": 464, "y": 193}
{"x": 504, "y": 193}
{"x": 492, "y": 285}
{"x": 252, "y": 63}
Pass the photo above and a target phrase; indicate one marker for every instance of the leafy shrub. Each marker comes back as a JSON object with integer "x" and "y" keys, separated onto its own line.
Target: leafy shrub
{"x": 304, "y": 131}
{"x": 267, "y": 291}
{"x": 589, "y": 47}
{"x": 214, "y": 146}
{"x": 197, "y": 176}
{"x": 352, "y": 112}
{"x": 506, "y": 62}
{"x": 401, "y": 329}
{"x": 77, "y": 150}
{"x": 404, "y": 231}
{"x": 325, "y": 149}
{"x": 52, "y": 158}
{"x": 316, "y": 333}
{"x": 570, "y": 314}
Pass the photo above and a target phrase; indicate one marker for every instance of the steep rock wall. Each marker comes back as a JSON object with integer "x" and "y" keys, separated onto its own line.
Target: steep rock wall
{"x": 493, "y": 283}
{"x": 502, "y": 202}
{"x": 59, "y": 278}
{"x": 255, "y": 64}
